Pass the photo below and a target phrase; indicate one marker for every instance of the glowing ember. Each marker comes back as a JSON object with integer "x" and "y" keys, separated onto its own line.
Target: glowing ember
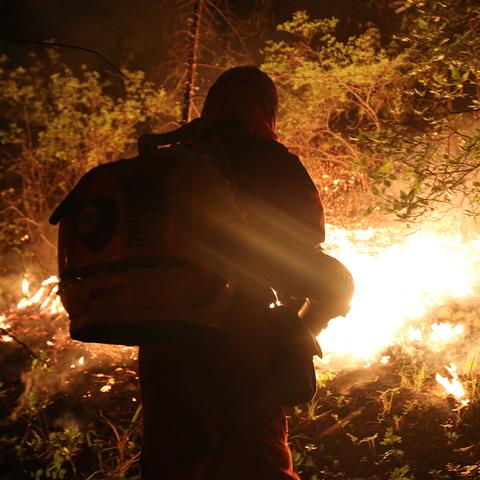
{"x": 397, "y": 283}
{"x": 108, "y": 386}
{"x": 25, "y": 287}
{"x": 4, "y": 324}
{"x": 453, "y": 386}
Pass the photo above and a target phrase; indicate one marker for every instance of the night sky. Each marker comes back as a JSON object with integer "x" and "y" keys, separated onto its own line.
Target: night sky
{"x": 134, "y": 33}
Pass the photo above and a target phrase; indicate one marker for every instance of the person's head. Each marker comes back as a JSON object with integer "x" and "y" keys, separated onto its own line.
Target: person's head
{"x": 246, "y": 95}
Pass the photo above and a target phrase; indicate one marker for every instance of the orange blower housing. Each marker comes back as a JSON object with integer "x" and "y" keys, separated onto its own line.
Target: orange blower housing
{"x": 131, "y": 250}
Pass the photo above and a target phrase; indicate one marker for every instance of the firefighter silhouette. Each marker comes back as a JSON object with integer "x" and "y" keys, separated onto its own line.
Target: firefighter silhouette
{"x": 214, "y": 398}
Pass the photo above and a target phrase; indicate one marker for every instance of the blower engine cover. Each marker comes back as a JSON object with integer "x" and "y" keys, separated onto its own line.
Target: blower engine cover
{"x": 134, "y": 250}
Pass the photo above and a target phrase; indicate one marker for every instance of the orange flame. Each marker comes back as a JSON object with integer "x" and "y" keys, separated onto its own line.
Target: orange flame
{"x": 397, "y": 281}
{"x": 45, "y": 297}
{"x": 397, "y": 284}
{"x": 453, "y": 386}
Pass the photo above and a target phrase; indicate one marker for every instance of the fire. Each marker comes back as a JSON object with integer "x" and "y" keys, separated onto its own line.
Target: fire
{"x": 4, "y": 326}
{"x": 25, "y": 286}
{"x": 79, "y": 363}
{"x": 453, "y": 386}
{"x": 445, "y": 332}
{"x": 399, "y": 279}
{"x": 440, "y": 335}
{"x": 44, "y": 298}
{"x": 108, "y": 386}
{"x": 396, "y": 284}
{"x": 44, "y": 302}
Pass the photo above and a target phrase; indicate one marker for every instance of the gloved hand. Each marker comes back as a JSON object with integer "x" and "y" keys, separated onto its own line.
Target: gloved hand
{"x": 331, "y": 299}
{"x": 316, "y": 315}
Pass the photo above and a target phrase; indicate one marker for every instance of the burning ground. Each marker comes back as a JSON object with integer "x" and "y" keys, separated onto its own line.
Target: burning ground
{"x": 398, "y": 394}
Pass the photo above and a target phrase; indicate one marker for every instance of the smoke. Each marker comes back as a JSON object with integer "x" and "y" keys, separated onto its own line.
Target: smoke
{"x": 54, "y": 369}
{"x": 9, "y": 285}
{"x": 464, "y": 351}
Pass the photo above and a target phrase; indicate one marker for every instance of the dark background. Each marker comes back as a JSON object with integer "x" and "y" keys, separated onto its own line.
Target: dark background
{"x": 136, "y": 34}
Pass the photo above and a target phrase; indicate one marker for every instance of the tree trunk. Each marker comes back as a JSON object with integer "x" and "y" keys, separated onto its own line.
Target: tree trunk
{"x": 192, "y": 62}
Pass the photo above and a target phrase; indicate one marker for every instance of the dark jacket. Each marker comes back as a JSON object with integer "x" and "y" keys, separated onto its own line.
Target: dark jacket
{"x": 213, "y": 406}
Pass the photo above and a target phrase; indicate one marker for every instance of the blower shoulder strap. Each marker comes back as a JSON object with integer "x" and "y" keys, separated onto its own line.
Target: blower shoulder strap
{"x": 198, "y": 133}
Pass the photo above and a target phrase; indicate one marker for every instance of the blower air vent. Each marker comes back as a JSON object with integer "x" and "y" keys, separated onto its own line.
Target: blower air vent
{"x": 145, "y": 229}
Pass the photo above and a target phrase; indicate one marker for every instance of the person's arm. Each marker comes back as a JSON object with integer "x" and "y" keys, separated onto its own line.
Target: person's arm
{"x": 304, "y": 269}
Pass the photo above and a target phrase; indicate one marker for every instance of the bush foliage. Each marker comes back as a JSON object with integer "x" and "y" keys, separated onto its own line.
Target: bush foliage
{"x": 396, "y": 117}
{"x": 58, "y": 124}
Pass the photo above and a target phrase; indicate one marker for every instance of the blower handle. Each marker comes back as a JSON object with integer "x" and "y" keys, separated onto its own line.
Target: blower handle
{"x": 149, "y": 142}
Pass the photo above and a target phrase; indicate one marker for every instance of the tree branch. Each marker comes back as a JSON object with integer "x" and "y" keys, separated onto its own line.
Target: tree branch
{"x": 15, "y": 339}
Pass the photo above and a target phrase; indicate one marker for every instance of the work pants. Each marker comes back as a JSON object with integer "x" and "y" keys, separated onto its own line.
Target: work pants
{"x": 211, "y": 410}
